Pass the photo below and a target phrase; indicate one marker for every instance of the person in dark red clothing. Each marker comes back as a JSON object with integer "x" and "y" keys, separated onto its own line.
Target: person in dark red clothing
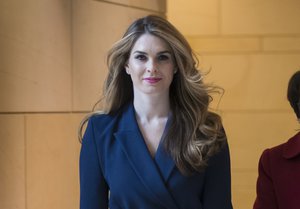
{"x": 278, "y": 183}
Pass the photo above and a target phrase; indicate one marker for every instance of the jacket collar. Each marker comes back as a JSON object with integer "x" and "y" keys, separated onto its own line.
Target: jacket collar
{"x": 291, "y": 148}
{"x": 153, "y": 172}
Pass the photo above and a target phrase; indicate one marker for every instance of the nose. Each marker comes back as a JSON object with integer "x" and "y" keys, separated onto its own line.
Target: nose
{"x": 152, "y": 67}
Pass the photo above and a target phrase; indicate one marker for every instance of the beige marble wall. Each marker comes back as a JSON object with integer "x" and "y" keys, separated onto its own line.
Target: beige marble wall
{"x": 52, "y": 65}
{"x": 35, "y": 58}
{"x": 52, "y": 153}
{"x": 12, "y": 161}
{"x": 251, "y": 49}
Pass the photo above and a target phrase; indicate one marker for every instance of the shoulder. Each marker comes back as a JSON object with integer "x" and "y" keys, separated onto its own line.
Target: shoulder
{"x": 286, "y": 150}
{"x": 291, "y": 148}
{"x": 99, "y": 130}
{"x": 273, "y": 152}
{"x": 276, "y": 157}
{"x": 271, "y": 156}
{"x": 100, "y": 118}
{"x": 100, "y": 122}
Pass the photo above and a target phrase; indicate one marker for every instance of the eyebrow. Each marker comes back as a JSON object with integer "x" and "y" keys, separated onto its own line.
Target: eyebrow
{"x": 162, "y": 52}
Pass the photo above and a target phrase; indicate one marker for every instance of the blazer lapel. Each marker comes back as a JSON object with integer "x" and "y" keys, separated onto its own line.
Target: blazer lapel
{"x": 133, "y": 144}
{"x": 163, "y": 160}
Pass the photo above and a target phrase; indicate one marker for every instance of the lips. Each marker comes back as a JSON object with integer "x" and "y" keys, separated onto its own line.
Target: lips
{"x": 152, "y": 80}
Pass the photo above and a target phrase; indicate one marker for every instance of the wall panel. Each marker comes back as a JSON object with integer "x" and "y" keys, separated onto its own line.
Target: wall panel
{"x": 52, "y": 153}
{"x": 12, "y": 162}
{"x": 260, "y": 17}
{"x": 35, "y": 56}
{"x": 195, "y": 17}
{"x": 251, "y": 82}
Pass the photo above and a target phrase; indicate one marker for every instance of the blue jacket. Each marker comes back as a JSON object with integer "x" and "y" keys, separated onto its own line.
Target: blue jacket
{"x": 118, "y": 172}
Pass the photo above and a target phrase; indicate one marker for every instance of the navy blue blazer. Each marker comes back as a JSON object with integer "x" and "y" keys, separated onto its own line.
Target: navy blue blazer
{"x": 118, "y": 172}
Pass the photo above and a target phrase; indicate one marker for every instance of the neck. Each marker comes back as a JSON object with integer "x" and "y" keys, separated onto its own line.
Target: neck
{"x": 148, "y": 108}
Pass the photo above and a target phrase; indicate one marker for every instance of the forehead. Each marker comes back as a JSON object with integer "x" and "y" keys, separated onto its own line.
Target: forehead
{"x": 149, "y": 42}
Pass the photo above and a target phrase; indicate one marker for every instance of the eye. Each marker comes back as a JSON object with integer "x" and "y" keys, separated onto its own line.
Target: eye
{"x": 163, "y": 57}
{"x": 140, "y": 57}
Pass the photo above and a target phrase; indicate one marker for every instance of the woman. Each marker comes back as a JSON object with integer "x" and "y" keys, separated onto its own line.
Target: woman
{"x": 155, "y": 145}
{"x": 278, "y": 183}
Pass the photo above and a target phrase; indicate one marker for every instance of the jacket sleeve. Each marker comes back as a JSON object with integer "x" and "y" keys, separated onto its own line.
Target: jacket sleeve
{"x": 93, "y": 187}
{"x": 217, "y": 185}
{"x": 265, "y": 195}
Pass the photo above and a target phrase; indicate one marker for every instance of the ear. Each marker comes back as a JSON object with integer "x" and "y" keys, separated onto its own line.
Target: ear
{"x": 127, "y": 69}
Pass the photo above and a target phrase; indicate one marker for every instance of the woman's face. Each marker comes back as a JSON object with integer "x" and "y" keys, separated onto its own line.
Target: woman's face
{"x": 150, "y": 65}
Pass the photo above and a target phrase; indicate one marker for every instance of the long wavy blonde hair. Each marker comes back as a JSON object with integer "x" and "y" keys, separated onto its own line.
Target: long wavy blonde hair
{"x": 195, "y": 133}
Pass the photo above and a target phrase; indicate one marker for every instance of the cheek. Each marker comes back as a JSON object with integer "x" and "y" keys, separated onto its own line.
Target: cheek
{"x": 134, "y": 72}
{"x": 170, "y": 72}
{"x": 137, "y": 71}
{"x": 134, "y": 66}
